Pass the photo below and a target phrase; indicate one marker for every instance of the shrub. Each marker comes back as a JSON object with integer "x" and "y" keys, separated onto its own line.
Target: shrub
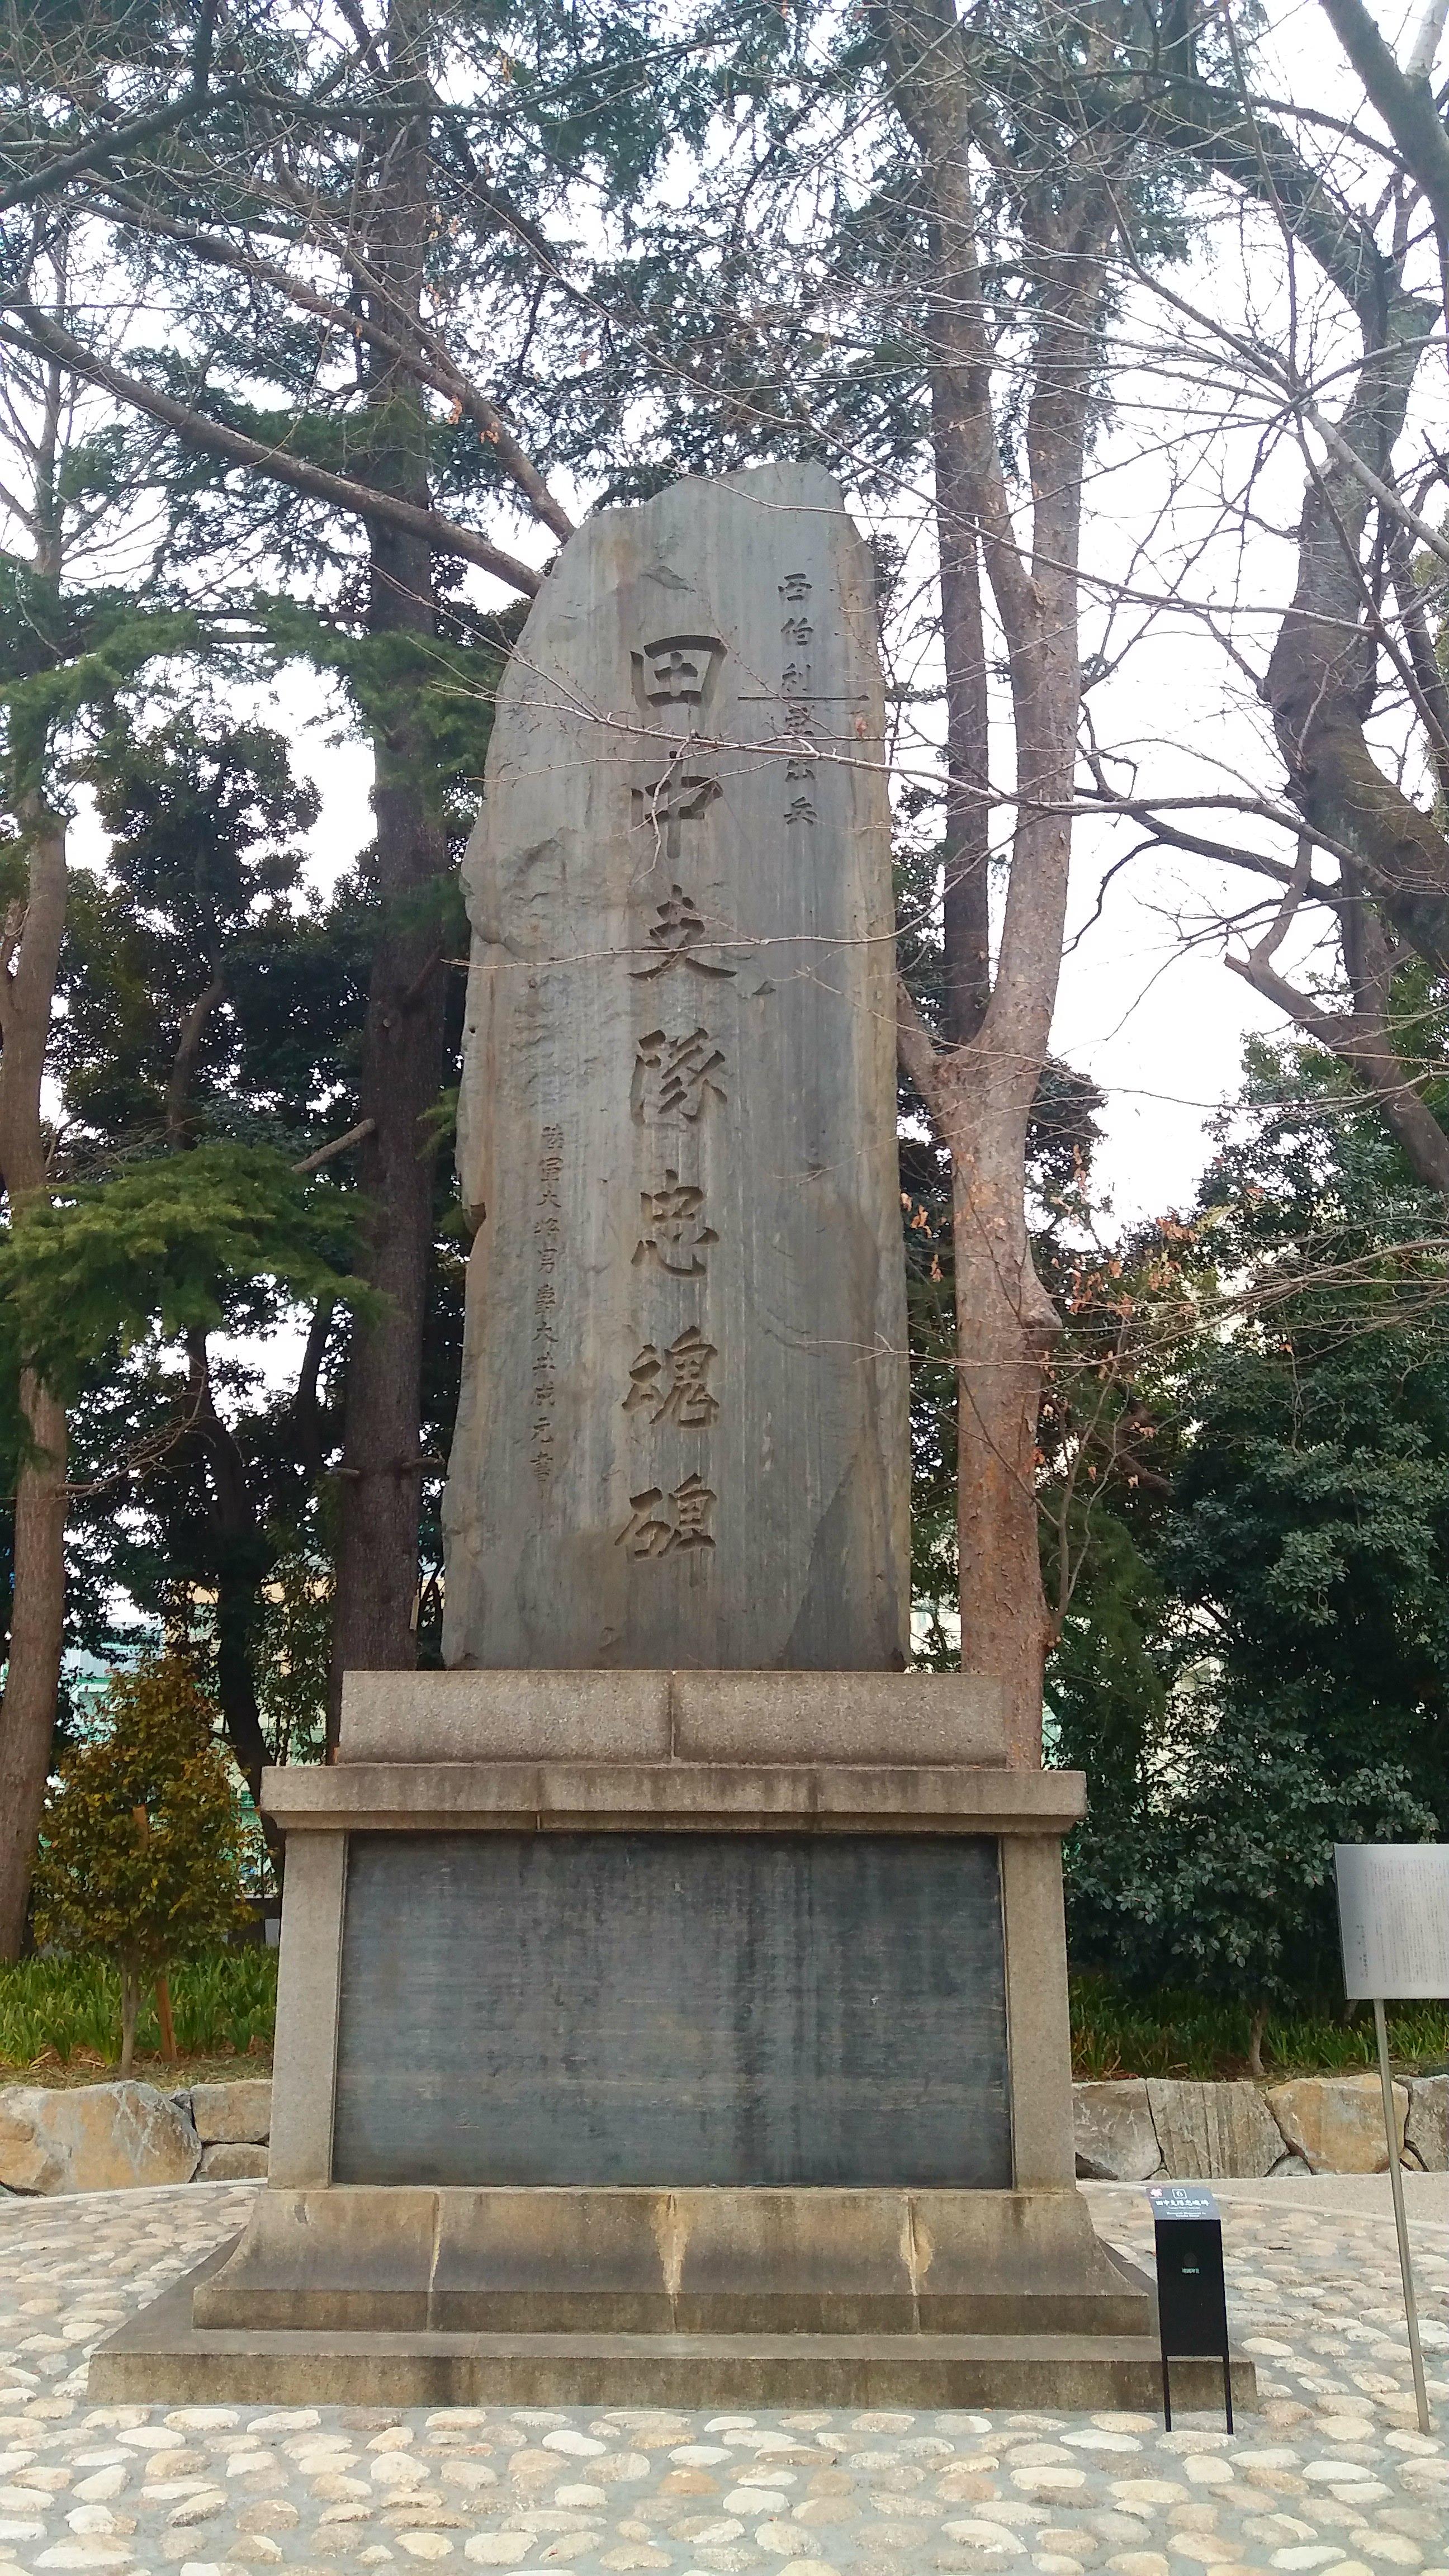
{"x": 142, "y": 1850}
{"x": 64, "y": 2012}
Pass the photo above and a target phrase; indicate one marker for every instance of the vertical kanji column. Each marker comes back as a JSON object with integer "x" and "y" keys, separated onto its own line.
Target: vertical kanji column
{"x": 682, "y": 1438}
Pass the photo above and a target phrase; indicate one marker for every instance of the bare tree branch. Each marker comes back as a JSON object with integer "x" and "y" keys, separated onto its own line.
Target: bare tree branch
{"x": 41, "y": 337}
{"x": 1405, "y": 104}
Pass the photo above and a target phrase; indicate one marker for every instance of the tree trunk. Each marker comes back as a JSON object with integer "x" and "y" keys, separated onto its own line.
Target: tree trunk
{"x": 130, "y": 2007}
{"x": 28, "y": 971}
{"x": 243, "y": 1556}
{"x": 965, "y": 891}
{"x": 1319, "y": 684}
{"x": 1005, "y": 1326}
{"x": 403, "y": 1048}
{"x": 403, "y": 1059}
{"x": 164, "y": 2017}
{"x": 980, "y": 1089}
{"x": 37, "y": 1620}
{"x": 1003, "y": 1320}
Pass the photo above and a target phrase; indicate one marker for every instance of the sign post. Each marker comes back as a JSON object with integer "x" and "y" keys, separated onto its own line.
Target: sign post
{"x": 1393, "y": 1920}
{"x": 1192, "y": 2299}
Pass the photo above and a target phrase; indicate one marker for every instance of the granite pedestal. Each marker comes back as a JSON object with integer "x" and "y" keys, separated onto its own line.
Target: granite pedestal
{"x": 626, "y": 2047}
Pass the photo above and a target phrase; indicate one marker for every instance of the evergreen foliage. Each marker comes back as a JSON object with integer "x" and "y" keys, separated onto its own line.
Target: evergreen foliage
{"x": 293, "y": 1638}
{"x": 1257, "y": 1660}
{"x": 161, "y": 1245}
{"x": 142, "y": 1849}
{"x": 60, "y": 2010}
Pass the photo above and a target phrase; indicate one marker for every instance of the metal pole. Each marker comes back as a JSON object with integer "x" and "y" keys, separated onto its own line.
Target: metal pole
{"x": 1396, "y": 2185}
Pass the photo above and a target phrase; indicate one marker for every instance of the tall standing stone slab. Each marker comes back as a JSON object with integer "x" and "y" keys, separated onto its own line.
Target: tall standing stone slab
{"x": 682, "y": 1439}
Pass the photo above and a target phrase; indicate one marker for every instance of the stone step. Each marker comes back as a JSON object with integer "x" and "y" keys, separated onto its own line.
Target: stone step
{"x": 370, "y": 2259}
{"x": 161, "y": 2358}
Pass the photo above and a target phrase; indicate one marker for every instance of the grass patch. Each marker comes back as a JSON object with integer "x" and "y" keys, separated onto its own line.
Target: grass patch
{"x": 60, "y": 2019}
{"x": 1188, "y": 2035}
{"x": 66, "y": 2013}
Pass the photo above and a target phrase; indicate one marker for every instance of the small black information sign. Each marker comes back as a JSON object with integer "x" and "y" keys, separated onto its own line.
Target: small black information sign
{"x": 1192, "y": 2300}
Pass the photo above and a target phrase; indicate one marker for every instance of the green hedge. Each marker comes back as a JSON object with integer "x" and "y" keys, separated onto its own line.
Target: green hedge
{"x": 69, "y": 2008}
{"x": 1189, "y": 2035}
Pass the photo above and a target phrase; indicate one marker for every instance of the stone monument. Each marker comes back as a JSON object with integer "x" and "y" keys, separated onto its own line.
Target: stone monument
{"x": 673, "y": 1991}
{"x": 682, "y": 1437}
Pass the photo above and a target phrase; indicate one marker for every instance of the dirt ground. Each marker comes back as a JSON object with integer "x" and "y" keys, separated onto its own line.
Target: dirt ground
{"x": 83, "y": 2068}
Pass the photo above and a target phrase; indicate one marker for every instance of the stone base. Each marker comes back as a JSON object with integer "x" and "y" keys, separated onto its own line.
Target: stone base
{"x": 727, "y": 2074}
{"x": 162, "y": 2357}
{"x": 709, "y": 2298}
{"x": 682, "y": 1973}
{"x": 359, "y": 2259}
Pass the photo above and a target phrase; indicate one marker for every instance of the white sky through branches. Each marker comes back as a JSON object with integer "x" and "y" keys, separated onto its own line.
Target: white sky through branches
{"x": 1189, "y": 560}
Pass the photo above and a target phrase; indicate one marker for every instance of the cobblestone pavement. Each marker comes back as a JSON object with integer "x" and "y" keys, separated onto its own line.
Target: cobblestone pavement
{"x": 1331, "y": 2478}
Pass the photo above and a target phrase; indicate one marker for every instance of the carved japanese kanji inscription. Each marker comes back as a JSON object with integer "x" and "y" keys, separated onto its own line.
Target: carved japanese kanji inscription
{"x": 682, "y": 1436}
{"x": 546, "y": 1234}
{"x": 676, "y": 936}
{"x": 676, "y": 671}
{"x": 675, "y": 1077}
{"x": 676, "y": 796}
{"x": 673, "y": 1385}
{"x": 675, "y": 1234}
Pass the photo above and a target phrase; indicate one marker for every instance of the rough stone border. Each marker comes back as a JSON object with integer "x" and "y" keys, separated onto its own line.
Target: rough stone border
{"x": 106, "y": 2137}
{"x": 122, "y": 2136}
{"x": 1137, "y": 2128}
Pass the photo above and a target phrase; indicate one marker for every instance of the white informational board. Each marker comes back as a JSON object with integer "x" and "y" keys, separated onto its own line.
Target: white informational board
{"x": 1393, "y": 1917}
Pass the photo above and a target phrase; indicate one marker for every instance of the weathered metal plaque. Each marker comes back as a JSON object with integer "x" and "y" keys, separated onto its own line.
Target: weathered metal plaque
{"x": 1393, "y": 1920}
{"x": 673, "y": 2009}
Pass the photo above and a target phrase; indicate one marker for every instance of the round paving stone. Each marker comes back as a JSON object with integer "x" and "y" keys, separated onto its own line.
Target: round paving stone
{"x": 1191, "y": 2504}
